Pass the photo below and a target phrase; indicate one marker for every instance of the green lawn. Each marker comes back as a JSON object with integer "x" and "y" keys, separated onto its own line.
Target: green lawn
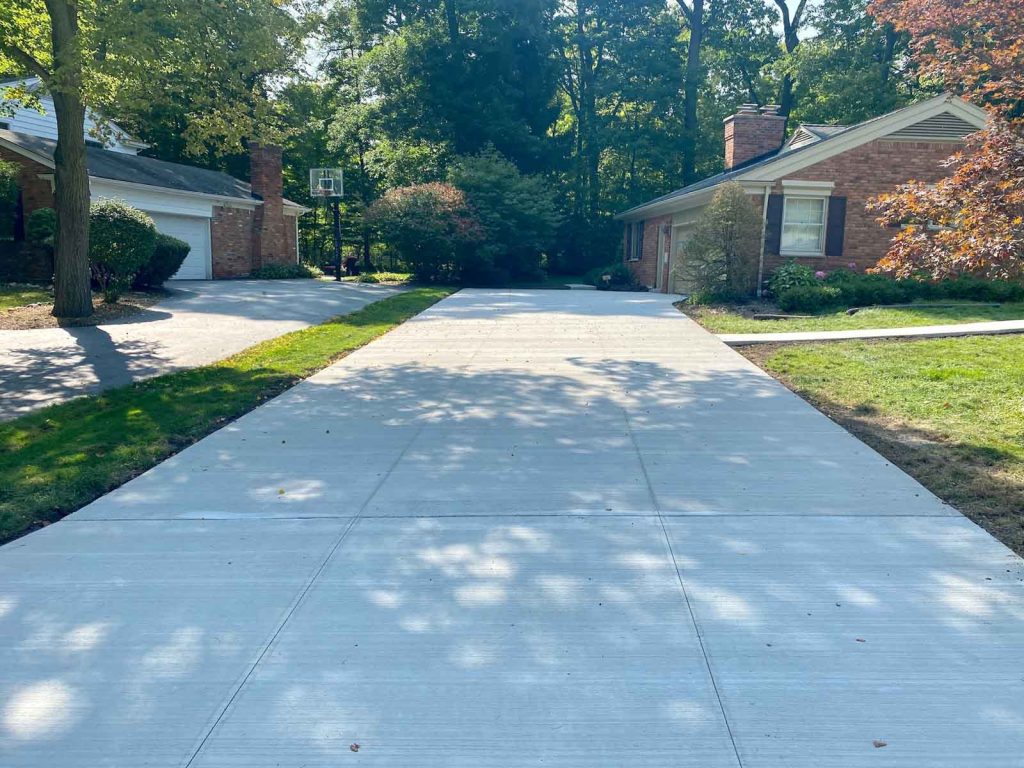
{"x": 55, "y": 461}
{"x": 721, "y": 319}
{"x": 19, "y": 295}
{"x": 949, "y": 411}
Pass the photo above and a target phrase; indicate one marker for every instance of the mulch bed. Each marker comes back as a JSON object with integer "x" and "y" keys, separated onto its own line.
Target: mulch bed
{"x": 38, "y": 315}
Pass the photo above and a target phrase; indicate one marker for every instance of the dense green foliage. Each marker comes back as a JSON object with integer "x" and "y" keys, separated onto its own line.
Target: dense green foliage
{"x": 62, "y": 457}
{"x": 798, "y": 290}
{"x": 122, "y": 240}
{"x": 168, "y": 256}
{"x": 286, "y": 272}
{"x": 40, "y": 226}
{"x": 517, "y": 215}
{"x": 615, "y": 277}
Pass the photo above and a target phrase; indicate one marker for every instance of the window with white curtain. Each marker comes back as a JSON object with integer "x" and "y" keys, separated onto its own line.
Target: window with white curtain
{"x": 803, "y": 226}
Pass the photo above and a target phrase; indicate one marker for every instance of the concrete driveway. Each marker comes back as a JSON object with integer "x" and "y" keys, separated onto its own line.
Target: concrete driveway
{"x": 203, "y": 321}
{"x": 561, "y": 529}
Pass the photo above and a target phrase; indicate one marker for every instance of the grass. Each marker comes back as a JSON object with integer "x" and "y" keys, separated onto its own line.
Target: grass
{"x": 56, "y": 460}
{"x": 19, "y": 294}
{"x": 731, "y": 319}
{"x": 948, "y": 411}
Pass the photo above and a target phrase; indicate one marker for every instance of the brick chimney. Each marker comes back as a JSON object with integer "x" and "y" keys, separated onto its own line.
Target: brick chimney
{"x": 269, "y": 243}
{"x": 751, "y": 133}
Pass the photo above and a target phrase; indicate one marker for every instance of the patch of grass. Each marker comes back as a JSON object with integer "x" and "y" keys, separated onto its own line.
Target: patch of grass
{"x": 948, "y": 411}
{"x": 19, "y": 294}
{"x": 56, "y": 460}
{"x": 732, "y": 319}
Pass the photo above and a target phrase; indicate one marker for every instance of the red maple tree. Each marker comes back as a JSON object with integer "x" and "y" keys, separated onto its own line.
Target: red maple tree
{"x": 973, "y": 221}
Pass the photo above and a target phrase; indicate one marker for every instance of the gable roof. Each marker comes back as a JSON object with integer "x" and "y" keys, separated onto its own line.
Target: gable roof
{"x": 819, "y": 143}
{"x": 134, "y": 169}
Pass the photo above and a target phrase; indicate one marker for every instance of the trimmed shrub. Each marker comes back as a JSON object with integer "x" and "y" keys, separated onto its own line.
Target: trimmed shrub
{"x": 791, "y": 275}
{"x": 121, "y": 242}
{"x": 617, "y": 277}
{"x": 168, "y": 256}
{"x": 722, "y": 254}
{"x": 431, "y": 228}
{"x": 41, "y": 226}
{"x": 978, "y": 289}
{"x": 286, "y": 272}
{"x": 809, "y": 298}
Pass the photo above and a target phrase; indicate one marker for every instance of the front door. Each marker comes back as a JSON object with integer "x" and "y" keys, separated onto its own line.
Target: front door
{"x": 661, "y": 277}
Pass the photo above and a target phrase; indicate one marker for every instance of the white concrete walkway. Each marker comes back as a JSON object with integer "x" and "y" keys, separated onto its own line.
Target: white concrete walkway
{"x": 561, "y": 529}
{"x": 991, "y": 328}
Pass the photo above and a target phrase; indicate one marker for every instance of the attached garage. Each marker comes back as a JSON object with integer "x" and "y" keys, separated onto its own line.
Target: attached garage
{"x": 195, "y": 231}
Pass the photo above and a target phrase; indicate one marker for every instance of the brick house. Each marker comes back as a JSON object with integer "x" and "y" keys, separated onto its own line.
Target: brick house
{"x": 811, "y": 189}
{"x": 232, "y": 226}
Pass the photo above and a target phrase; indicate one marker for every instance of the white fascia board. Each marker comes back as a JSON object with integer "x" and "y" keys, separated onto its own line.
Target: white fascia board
{"x": 865, "y": 133}
{"x": 237, "y": 202}
{"x": 797, "y": 187}
{"x": 672, "y": 206}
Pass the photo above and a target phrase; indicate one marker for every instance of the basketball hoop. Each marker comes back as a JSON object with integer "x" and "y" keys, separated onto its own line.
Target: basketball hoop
{"x": 328, "y": 184}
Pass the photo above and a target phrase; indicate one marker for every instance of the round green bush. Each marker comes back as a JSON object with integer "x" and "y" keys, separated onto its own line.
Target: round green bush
{"x": 121, "y": 241}
{"x": 168, "y": 256}
{"x": 41, "y": 226}
{"x": 809, "y": 298}
{"x": 616, "y": 277}
{"x": 791, "y": 275}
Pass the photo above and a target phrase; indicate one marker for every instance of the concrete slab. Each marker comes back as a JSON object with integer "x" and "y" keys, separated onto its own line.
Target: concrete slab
{"x": 989, "y": 328}
{"x": 497, "y": 642}
{"x": 201, "y": 322}
{"x": 525, "y": 528}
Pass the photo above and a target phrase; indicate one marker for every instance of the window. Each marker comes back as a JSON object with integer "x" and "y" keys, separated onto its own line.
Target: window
{"x": 634, "y": 241}
{"x": 803, "y": 226}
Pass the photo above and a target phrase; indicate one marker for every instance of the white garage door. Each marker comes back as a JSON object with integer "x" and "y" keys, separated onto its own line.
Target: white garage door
{"x": 195, "y": 231}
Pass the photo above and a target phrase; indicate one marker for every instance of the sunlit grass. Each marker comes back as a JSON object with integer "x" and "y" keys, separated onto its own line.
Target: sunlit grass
{"x": 18, "y": 295}
{"x": 949, "y": 411}
{"x": 725, "y": 319}
{"x": 59, "y": 459}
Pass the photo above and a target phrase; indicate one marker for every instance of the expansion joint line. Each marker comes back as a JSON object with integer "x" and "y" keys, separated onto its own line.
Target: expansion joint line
{"x": 682, "y": 587}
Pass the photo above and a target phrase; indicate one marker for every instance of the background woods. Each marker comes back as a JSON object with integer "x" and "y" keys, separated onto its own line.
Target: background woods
{"x": 596, "y": 104}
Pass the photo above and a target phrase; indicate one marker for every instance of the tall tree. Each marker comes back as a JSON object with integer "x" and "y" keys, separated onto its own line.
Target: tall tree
{"x": 110, "y": 53}
{"x": 972, "y": 221}
{"x": 700, "y": 15}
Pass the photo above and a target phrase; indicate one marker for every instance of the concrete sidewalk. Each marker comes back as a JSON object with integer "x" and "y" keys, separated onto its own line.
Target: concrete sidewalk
{"x": 992, "y": 328}
{"x": 547, "y": 528}
{"x": 202, "y": 322}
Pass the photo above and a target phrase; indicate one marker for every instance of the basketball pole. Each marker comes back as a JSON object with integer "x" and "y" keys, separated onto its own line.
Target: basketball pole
{"x": 337, "y": 240}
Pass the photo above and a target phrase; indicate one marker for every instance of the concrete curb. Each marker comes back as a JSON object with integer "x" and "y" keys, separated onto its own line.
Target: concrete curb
{"x": 920, "y": 332}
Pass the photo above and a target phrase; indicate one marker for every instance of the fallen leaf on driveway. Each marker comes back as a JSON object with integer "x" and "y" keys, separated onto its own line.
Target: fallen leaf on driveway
{"x": 355, "y": 747}
{"x": 879, "y": 744}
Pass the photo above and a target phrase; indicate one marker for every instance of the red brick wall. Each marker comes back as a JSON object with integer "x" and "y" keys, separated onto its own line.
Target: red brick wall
{"x": 860, "y": 174}
{"x": 271, "y": 231}
{"x": 231, "y": 241}
{"x": 645, "y": 269}
{"x": 752, "y": 134}
{"x": 36, "y": 193}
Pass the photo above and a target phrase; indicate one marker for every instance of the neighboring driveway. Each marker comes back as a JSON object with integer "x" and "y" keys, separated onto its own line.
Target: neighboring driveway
{"x": 523, "y": 529}
{"x": 201, "y": 322}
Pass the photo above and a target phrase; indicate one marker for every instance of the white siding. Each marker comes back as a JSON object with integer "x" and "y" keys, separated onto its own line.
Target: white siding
{"x": 44, "y": 124}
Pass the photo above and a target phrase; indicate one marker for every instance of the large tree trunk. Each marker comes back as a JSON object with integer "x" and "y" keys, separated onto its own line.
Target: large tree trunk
{"x": 72, "y": 294}
{"x": 692, "y": 81}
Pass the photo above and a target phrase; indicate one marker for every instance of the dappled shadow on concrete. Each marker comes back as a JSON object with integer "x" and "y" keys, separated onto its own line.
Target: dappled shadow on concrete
{"x": 477, "y": 545}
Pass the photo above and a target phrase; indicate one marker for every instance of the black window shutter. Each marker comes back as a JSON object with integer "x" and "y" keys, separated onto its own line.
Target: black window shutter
{"x": 640, "y": 241}
{"x": 835, "y": 228}
{"x": 773, "y": 226}
{"x": 629, "y": 240}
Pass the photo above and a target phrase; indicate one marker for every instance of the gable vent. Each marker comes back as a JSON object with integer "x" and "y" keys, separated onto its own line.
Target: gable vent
{"x": 801, "y": 138}
{"x": 944, "y": 127}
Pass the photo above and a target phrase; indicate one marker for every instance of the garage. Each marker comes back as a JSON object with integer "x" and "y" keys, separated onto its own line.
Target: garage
{"x": 195, "y": 231}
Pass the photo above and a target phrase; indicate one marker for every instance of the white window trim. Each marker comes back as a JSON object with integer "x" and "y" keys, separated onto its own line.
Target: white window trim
{"x": 819, "y": 252}
{"x": 808, "y": 188}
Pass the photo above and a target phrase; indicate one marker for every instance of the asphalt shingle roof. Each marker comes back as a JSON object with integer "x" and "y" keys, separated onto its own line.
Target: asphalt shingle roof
{"x": 120, "y": 166}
